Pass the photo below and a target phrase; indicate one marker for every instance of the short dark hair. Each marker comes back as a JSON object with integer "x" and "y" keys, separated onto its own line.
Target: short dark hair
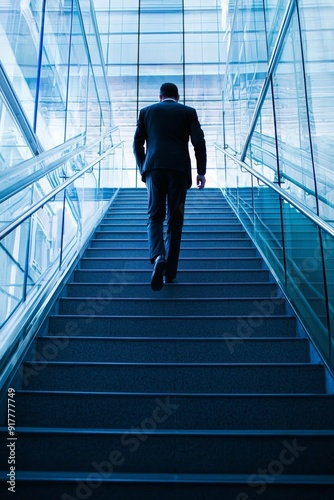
{"x": 169, "y": 90}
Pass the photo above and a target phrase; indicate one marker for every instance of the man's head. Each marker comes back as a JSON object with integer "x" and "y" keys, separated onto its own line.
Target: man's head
{"x": 169, "y": 90}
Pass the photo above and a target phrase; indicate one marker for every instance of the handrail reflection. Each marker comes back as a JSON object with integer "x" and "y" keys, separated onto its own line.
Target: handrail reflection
{"x": 282, "y": 193}
{"x": 26, "y": 180}
{"x": 36, "y": 206}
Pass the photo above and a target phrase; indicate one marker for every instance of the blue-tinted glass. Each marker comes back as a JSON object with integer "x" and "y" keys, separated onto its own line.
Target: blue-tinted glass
{"x": 317, "y": 33}
{"x": 294, "y": 152}
{"x": 290, "y": 142}
{"x": 52, "y": 90}
{"x": 261, "y": 154}
{"x": 53, "y": 60}
{"x": 12, "y": 270}
{"x": 328, "y": 252}
{"x": 20, "y": 24}
{"x": 178, "y": 41}
{"x": 246, "y": 69}
{"x": 13, "y": 145}
{"x": 306, "y": 285}
{"x": 274, "y": 12}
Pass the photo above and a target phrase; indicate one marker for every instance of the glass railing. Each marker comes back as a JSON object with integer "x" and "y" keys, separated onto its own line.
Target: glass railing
{"x": 23, "y": 174}
{"x": 47, "y": 225}
{"x": 297, "y": 245}
{"x": 296, "y": 170}
{"x": 32, "y": 179}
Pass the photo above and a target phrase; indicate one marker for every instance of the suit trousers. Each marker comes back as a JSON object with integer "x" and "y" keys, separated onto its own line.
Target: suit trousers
{"x": 166, "y": 186}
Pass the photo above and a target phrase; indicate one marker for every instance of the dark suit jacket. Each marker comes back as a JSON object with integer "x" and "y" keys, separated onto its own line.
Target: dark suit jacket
{"x": 166, "y": 128}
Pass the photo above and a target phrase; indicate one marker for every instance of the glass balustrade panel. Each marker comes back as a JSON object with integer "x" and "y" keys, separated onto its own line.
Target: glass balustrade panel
{"x": 328, "y": 249}
{"x": 13, "y": 260}
{"x": 305, "y": 284}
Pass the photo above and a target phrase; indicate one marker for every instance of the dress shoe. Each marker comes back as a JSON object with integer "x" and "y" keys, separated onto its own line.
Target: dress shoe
{"x": 157, "y": 279}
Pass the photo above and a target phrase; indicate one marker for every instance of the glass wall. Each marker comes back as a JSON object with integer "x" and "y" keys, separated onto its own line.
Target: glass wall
{"x": 278, "y": 118}
{"x": 55, "y": 125}
{"x": 317, "y": 37}
{"x": 13, "y": 145}
{"x": 52, "y": 65}
{"x": 148, "y": 42}
{"x": 280, "y": 90}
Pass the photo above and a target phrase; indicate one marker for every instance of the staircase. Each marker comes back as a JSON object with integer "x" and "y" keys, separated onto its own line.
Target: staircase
{"x": 200, "y": 391}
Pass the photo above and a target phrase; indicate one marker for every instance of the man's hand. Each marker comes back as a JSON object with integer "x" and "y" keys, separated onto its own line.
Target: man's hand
{"x": 201, "y": 181}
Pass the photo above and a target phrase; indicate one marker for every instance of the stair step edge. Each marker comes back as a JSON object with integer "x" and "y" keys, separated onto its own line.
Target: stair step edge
{"x": 312, "y": 366}
{"x": 173, "y": 339}
{"x": 175, "y": 299}
{"x": 174, "y": 432}
{"x": 173, "y": 318}
{"x": 168, "y": 478}
{"x": 178, "y": 395}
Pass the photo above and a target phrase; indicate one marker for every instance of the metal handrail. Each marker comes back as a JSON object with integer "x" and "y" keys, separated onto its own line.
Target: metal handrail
{"x": 15, "y": 186}
{"x": 27, "y": 180}
{"x": 293, "y": 181}
{"x": 283, "y": 194}
{"x": 294, "y": 166}
{"x": 36, "y": 206}
{"x": 48, "y": 152}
